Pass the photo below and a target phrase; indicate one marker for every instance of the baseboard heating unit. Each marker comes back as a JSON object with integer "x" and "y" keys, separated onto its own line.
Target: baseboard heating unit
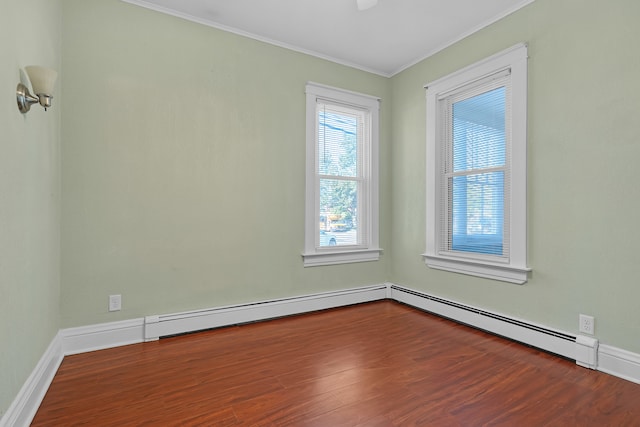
{"x": 582, "y": 349}
{"x": 579, "y": 348}
{"x": 178, "y": 323}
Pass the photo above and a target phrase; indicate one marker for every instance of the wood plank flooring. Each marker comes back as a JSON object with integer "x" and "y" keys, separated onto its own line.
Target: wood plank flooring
{"x": 376, "y": 364}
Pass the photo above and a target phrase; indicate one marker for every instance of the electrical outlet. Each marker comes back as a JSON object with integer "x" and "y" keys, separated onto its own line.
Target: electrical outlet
{"x": 115, "y": 302}
{"x": 587, "y": 324}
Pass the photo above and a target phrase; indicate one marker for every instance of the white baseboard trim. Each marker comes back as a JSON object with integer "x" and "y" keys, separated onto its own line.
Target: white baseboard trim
{"x": 586, "y": 351}
{"x": 104, "y": 335}
{"x": 26, "y": 404}
{"x": 620, "y": 363}
{"x": 178, "y": 323}
{"x": 539, "y": 336}
{"x": 114, "y": 334}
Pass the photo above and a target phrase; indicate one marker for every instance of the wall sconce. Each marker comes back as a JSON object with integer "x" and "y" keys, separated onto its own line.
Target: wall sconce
{"x": 42, "y": 80}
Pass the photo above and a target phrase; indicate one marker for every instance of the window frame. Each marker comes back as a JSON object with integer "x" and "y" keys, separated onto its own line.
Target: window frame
{"x": 513, "y": 268}
{"x": 369, "y": 250}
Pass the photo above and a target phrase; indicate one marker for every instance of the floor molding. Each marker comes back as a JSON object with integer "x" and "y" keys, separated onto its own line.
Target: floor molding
{"x": 620, "y": 363}
{"x": 101, "y": 336}
{"x": 26, "y": 404}
{"x": 611, "y": 360}
{"x": 585, "y": 350}
{"x": 179, "y": 323}
{"x": 554, "y": 341}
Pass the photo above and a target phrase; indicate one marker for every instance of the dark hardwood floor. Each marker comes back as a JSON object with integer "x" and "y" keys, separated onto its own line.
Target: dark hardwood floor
{"x": 377, "y": 364}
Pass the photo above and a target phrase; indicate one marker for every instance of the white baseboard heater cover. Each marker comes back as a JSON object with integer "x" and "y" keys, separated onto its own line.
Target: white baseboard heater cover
{"x": 581, "y": 349}
{"x": 587, "y": 352}
{"x": 179, "y": 323}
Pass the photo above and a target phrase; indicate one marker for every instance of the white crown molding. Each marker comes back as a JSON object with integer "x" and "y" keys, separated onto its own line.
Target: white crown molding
{"x": 253, "y": 36}
{"x": 464, "y": 35}
{"x": 208, "y": 23}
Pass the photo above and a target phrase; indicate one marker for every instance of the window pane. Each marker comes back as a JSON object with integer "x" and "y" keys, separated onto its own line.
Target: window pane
{"x": 479, "y": 131}
{"x": 478, "y": 213}
{"x": 477, "y": 169}
{"x": 338, "y": 212}
{"x": 477, "y": 200}
{"x": 337, "y": 143}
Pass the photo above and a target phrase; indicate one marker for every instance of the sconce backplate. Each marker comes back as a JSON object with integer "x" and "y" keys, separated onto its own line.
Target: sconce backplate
{"x": 24, "y": 98}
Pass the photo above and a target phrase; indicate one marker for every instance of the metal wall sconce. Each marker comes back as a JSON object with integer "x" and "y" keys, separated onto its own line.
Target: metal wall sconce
{"x": 42, "y": 80}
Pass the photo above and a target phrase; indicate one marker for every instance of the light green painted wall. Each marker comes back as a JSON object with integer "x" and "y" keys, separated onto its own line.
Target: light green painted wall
{"x": 183, "y": 166}
{"x": 29, "y": 196}
{"x": 583, "y": 148}
{"x": 183, "y": 179}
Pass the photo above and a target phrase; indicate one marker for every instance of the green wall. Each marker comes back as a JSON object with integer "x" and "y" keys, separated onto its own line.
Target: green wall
{"x": 183, "y": 166}
{"x": 583, "y": 151}
{"x": 182, "y": 171}
{"x": 29, "y": 196}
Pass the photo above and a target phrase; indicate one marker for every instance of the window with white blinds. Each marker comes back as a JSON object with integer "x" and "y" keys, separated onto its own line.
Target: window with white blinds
{"x": 341, "y": 214}
{"x": 342, "y": 142}
{"x": 476, "y": 177}
{"x": 474, "y": 197}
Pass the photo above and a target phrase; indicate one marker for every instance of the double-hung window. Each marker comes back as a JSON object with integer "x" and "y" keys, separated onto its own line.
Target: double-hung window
{"x": 476, "y": 169}
{"x": 341, "y": 213}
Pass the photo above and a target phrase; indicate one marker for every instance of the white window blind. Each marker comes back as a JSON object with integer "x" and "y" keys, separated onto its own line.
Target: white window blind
{"x": 476, "y": 213}
{"x": 341, "y": 203}
{"x": 475, "y": 168}
{"x": 342, "y": 140}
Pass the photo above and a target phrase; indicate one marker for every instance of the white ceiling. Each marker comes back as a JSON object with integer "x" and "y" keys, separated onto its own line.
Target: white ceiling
{"x": 384, "y": 40}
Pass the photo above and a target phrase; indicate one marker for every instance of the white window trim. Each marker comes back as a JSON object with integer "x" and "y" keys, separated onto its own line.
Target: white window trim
{"x": 312, "y": 255}
{"x": 514, "y": 269}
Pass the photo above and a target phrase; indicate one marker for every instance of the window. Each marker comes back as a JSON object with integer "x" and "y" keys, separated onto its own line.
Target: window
{"x": 341, "y": 214}
{"x": 476, "y": 169}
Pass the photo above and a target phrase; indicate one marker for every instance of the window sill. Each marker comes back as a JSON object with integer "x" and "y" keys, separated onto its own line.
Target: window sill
{"x": 340, "y": 257}
{"x": 505, "y": 273}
